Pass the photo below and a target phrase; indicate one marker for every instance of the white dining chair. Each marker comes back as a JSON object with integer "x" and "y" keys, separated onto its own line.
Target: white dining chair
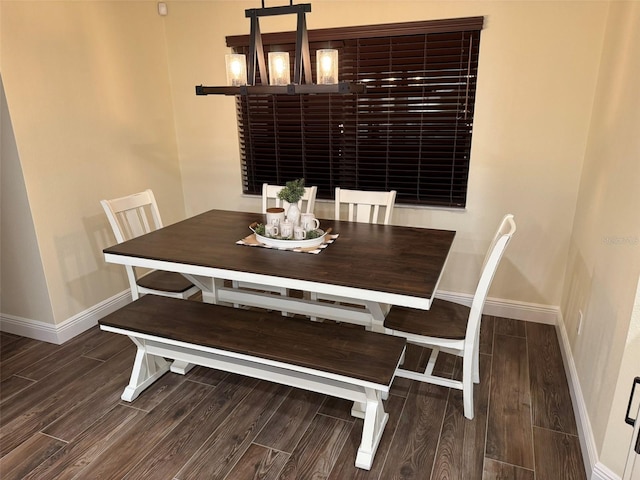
{"x": 361, "y": 206}
{"x": 270, "y": 198}
{"x": 365, "y": 206}
{"x": 452, "y": 328}
{"x": 135, "y": 215}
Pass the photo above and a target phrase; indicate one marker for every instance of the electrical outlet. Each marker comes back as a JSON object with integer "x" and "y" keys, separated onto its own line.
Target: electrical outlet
{"x": 580, "y": 318}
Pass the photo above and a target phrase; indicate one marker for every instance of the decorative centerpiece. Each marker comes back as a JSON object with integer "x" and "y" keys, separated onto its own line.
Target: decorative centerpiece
{"x": 289, "y": 234}
{"x": 292, "y": 193}
{"x": 261, "y": 230}
{"x": 312, "y": 239}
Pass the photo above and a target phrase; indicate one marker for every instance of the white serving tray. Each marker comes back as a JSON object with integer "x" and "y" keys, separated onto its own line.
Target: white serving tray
{"x": 286, "y": 243}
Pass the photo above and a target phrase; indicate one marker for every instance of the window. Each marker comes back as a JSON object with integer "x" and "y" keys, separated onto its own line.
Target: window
{"x": 410, "y": 131}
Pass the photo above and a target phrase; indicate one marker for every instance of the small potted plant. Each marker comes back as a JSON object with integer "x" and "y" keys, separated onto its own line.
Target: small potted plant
{"x": 292, "y": 193}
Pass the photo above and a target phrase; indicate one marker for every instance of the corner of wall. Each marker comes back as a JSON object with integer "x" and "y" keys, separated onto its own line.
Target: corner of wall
{"x": 594, "y": 468}
{"x": 23, "y": 289}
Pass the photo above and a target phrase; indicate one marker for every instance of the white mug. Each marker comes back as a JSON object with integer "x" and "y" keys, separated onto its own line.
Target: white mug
{"x": 271, "y": 230}
{"x": 275, "y": 216}
{"x": 299, "y": 233}
{"x": 309, "y": 222}
{"x": 286, "y": 229}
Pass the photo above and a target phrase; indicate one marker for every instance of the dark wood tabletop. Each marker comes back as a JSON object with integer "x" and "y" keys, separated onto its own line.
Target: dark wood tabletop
{"x": 382, "y": 258}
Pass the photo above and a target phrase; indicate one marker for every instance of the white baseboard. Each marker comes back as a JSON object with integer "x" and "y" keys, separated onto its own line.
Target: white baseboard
{"x": 551, "y": 315}
{"x": 592, "y": 463}
{"x": 585, "y": 432}
{"x": 61, "y": 332}
{"x": 601, "y": 472}
{"x": 530, "y": 312}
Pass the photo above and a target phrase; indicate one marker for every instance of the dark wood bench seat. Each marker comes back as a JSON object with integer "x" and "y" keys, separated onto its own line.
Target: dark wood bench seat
{"x": 345, "y": 362}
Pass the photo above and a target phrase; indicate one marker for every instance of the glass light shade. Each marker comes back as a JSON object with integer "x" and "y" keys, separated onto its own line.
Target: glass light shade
{"x": 236, "y": 69}
{"x": 279, "y": 73}
{"x": 327, "y": 63}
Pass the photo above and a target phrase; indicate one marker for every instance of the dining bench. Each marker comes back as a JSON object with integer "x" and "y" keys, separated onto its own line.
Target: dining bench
{"x": 336, "y": 360}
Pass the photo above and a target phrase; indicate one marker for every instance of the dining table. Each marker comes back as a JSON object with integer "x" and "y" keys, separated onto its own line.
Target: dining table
{"x": 370, "y": 267}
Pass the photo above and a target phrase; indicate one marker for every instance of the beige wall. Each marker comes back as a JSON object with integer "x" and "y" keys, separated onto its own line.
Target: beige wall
{"x": 93, "y": 98}
{"x": 604, "y": 261}
{"x": 538, "y": 69}
{"x": 88, "y": 90}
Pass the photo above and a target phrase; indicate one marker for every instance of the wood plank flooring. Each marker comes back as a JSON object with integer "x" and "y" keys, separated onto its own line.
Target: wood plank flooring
{"x": 61, "y": 417}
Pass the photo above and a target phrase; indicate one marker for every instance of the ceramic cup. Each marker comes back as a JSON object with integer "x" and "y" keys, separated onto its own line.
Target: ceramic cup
{"x": 299, "y": 233}
{"x": 271, "y": 230}
{"x": 275, "y": 216}
{"x": 286, "y": 229}
{"x": 309, "y": 222}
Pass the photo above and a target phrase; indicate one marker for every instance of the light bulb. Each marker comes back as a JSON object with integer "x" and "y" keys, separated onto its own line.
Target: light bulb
{"x": 327, "y": 66}
{"x": 279, "y": 68}
{"x": 236, "y": 69}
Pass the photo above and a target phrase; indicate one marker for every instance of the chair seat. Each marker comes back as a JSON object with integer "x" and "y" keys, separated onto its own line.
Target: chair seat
{"x": 165, "y": 281}
{"x": 443, "y": 320}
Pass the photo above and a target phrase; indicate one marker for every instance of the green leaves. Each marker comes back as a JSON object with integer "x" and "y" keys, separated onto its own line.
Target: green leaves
{"x": 293, "y": 191}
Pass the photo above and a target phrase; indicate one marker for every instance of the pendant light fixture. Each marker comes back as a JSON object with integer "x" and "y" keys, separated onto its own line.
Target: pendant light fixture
{"x": 241, "y": 75}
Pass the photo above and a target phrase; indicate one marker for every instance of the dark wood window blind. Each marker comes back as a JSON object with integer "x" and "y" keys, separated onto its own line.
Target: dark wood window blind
{"x": 410, "y": 131}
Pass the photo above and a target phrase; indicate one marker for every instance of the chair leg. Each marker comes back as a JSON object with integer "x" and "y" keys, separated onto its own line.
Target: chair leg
{"x": 468, "y": 372}
{"x": 313, "y": 296}
{"x": 431, "y": 363}
{"x": 476, "y": 362}
{"x": 284, "y": 292}
{"x": 235, "y": 285}
{"x": 402, "y": 357}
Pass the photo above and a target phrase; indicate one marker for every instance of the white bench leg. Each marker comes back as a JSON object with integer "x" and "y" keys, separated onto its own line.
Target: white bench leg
{"x": 146, "y": 370}
{"x": 181, "y": 367}
{"x": 358, "y": 409}
{"x": 375, "y": 419}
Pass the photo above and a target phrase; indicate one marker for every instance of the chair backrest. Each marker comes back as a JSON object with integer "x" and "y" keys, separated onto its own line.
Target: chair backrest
{"x": 270, "y": 192}
{"x": 365, "y": 206}
{"x": 504, "y": 227}
{"x": 130, "y": 217}
{"x": 133, "y": 215}
{"x": 492, "y": 259}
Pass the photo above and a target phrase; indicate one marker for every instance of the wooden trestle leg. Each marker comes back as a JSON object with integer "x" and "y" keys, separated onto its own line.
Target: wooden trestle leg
{"x": 147, "y": 369}
{"x": 375, "y": 419}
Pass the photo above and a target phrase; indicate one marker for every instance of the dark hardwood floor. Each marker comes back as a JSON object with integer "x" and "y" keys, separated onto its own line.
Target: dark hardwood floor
{"x": 61, "y": 417}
